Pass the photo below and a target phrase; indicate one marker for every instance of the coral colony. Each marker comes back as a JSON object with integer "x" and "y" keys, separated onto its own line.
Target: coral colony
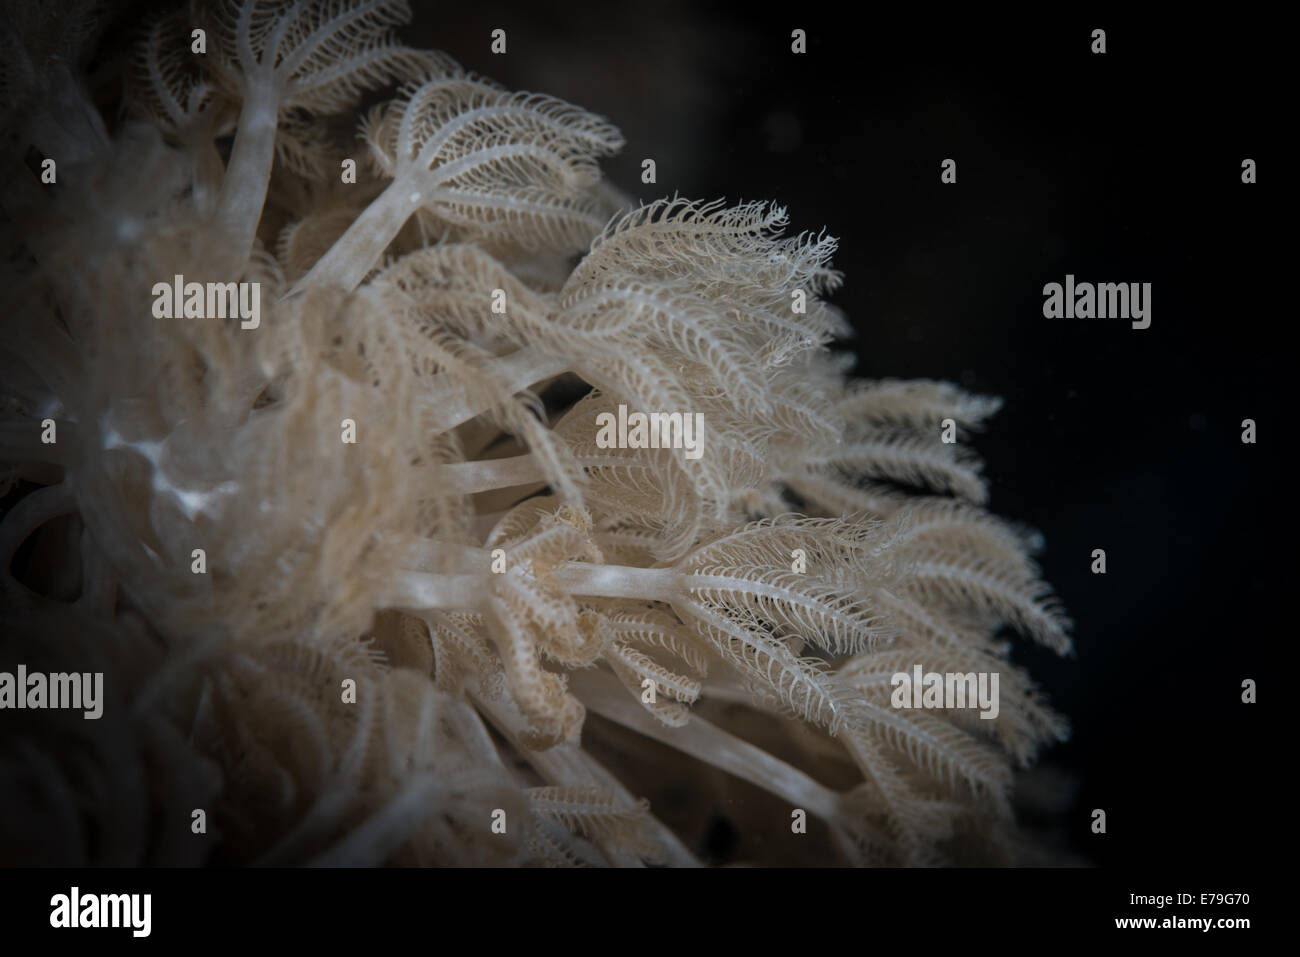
{"x": 422, "y": 501}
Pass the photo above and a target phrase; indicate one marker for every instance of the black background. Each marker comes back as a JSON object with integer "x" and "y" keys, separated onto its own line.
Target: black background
{"x": 1122, "y": 167}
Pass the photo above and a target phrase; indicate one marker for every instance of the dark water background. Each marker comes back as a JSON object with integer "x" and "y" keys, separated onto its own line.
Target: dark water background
{"x": 1116, "y": 168}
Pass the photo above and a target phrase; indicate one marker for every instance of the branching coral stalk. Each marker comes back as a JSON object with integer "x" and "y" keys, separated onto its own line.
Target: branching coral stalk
{"x": 371, "y": 566}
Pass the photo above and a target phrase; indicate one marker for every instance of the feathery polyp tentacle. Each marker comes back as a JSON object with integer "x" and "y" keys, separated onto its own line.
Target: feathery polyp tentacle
{"x": 515, "y": 167}
{"x": 311, "y": 56}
